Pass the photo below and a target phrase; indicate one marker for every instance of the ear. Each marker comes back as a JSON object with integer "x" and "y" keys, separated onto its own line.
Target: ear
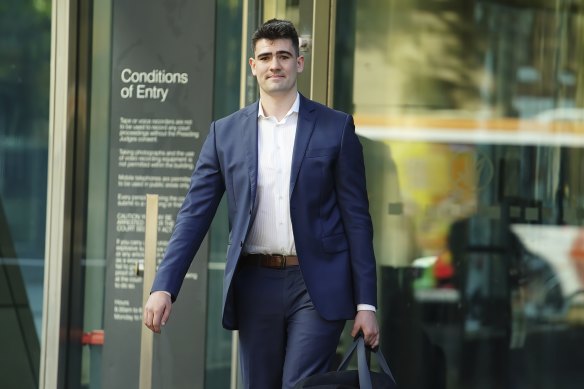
{"x": 300, "y": 63}
{"x": 252, "y": 65}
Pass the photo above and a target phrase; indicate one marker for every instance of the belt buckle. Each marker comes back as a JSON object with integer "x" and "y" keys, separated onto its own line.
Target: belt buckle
{"x": 282, "y": 262}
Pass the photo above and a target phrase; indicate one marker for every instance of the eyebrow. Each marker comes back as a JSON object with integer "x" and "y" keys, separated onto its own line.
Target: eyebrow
{"x": 277, "y": 52}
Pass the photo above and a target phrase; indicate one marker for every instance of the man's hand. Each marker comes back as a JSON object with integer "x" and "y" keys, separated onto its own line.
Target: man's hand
{"x": 157, "y": 310}
{"x": 366, "y": 322}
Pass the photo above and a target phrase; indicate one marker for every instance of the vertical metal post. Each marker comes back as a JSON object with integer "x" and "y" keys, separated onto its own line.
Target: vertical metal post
{"x": 150, "y": 243}
{"x": 321, "y": 43}
{"x": 245, "y": 53}
{"x": 61, "y": 159}
{"x": 234, "y": 360}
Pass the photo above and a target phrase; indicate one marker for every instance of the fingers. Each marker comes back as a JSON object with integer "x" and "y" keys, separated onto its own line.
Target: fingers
{"x": 165, "y": 315}
{"x": 148, "y": 317}
{"x": 372, "y": 340}
{"x": 157, "y": 311}
{"x": 366, "y": 322}
{"x": 156, "y": 320}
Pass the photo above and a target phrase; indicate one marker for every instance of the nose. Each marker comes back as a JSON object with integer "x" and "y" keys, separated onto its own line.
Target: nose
{"x": 275, "y": 63}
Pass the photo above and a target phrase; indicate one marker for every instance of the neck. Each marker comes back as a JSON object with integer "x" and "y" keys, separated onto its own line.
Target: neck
{"x": 277, "y": 105}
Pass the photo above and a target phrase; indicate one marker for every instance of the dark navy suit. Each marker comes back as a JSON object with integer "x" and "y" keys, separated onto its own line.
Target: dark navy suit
{"x": 328, "y": 209}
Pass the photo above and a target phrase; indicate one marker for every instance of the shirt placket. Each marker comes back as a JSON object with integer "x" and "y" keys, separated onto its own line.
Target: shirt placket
{"x": 280, "y": 199}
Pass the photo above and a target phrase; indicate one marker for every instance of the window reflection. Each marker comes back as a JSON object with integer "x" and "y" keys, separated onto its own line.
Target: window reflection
{"x": 492, "y": 58}
{"x": 471, "y": 115}
{"x": 25, "y": 29}
{"x": 479, "y": 268}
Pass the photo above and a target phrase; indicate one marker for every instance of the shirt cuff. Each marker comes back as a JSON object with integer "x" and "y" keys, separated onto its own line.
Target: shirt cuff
{"x": 164, "y": 291}
{"x": 365, "y": 307}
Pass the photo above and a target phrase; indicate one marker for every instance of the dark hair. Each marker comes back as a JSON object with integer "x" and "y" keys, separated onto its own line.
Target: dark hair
{"x": 276, "y": 29}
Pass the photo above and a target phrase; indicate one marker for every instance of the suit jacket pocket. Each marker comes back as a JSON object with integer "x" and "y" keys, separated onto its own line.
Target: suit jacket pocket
{"x": 321, "y": 152}
{"x": 335, "y": 243}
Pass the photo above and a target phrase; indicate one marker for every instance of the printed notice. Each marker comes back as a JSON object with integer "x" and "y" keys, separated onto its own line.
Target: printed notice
{"x": 140, "y": 169}
{"x": 161, "y": 107}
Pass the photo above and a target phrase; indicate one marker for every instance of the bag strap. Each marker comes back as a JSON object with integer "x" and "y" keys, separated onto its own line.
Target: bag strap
{"x": 364, "y": 373}
{"x": 362, "y": 365}
{"x": 347, "y": 357}
{"x": 382, "y": 363}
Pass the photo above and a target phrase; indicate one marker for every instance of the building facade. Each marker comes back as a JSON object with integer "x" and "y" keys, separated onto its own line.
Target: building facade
{"x": 471, "y": 117}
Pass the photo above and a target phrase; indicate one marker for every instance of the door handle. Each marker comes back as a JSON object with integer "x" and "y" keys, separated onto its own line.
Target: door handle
{"x": 148, "y": 269}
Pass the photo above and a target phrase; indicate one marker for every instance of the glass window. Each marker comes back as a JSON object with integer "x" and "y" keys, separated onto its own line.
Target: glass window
{"x": 471, "y": 115}
{"x": 25, "y": 39}
{"x": 225, "y": 101}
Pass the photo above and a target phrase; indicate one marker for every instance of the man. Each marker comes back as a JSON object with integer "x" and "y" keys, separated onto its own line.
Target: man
{"x": 300, "y": 257}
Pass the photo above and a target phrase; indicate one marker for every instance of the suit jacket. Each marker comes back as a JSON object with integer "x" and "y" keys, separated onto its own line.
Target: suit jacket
{"x": 328, "y": 206}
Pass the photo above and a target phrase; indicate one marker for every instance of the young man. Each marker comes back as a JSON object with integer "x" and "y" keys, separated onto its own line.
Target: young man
{"x": 300, "y": 259}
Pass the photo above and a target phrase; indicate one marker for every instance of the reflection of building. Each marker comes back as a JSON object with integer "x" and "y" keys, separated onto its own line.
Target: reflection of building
{"x": 560, "y": 248}
{"x": 470, "y": 118}
{"x": 386, "y": 207}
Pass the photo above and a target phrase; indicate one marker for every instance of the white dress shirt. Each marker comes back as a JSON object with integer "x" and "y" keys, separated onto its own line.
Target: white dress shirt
{"x": 271, "y": 232}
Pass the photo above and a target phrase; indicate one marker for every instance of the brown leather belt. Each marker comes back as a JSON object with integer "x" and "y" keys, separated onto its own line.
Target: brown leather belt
{"x": 273, "y": 261}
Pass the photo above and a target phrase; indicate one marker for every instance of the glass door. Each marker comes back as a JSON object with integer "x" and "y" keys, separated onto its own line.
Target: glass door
{"x": 149, "y": 105}
{"x": 315, "y": 22}
{"x": 471, "y": 118}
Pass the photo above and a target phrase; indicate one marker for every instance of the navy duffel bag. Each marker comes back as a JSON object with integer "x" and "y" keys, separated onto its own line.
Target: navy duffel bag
{"x": 362, "y": 378}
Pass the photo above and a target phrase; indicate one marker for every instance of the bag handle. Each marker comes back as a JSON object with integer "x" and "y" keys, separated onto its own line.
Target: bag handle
{"x": 382, "y": 363}
{"x": 362, "y": 366}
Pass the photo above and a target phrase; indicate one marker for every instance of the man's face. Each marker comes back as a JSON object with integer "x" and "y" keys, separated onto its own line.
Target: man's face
{"x": 276, "y": 66}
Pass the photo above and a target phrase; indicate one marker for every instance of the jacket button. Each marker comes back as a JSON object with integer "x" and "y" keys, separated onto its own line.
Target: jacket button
{"x": 241, "y": 243}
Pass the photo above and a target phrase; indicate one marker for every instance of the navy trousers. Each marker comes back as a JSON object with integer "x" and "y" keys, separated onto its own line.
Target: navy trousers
{"x": 282, "y": 337}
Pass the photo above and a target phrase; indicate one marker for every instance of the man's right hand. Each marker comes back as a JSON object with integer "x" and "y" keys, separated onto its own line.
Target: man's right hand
{"x": 157, "y": 310}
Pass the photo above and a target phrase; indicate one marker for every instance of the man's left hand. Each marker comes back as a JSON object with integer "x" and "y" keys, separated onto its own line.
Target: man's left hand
{"x": 366, "y": 322}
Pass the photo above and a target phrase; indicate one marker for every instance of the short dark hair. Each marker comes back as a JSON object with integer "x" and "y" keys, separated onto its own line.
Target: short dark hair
{"x": 276, "y": 29}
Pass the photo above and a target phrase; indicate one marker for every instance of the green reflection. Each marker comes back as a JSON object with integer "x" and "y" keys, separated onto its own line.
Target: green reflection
{"x": 25, "y": 37}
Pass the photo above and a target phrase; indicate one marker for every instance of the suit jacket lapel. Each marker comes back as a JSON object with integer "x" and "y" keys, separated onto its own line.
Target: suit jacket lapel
{"x": 305, "y": 127}
{"x": 250, "y": 136}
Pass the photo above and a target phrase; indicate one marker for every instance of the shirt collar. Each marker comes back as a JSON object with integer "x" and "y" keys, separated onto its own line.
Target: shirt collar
{"x": 294, "y": 109}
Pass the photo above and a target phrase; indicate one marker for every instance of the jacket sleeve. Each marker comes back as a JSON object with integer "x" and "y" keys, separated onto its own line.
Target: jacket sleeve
{"x": 193, "y": 219}
{"x": 350, "y": 186}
